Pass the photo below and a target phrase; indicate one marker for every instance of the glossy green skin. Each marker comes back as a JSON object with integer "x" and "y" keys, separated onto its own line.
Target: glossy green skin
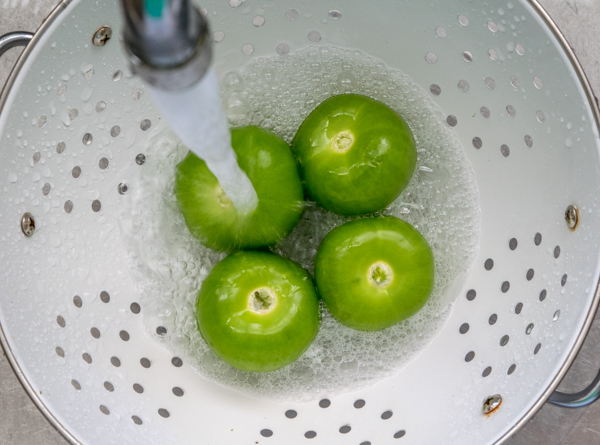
{"x": 272, "y": 169}
{"x": 247, "y": 340}
{"x": 373, "y": 172}
{"x": 343, "y": 262}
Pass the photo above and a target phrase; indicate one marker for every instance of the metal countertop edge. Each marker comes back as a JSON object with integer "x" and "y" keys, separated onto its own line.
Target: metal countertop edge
{"x": 532, "y": 411}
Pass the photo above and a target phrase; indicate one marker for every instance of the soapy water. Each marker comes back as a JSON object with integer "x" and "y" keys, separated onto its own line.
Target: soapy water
{"x": 277, "y": 93}
{"x": 198, "y": 119}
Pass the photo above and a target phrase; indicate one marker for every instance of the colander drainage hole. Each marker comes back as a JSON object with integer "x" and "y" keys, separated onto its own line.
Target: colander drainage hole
{"x": 87, "y": 357}
{"x": 387, "y": 415}
{"x": 537, "y": 348}
{"x": 109, "y": 386}
{"x": 61, "y": 321}
{"x": 124, "y": 335}
{"x": 345, "y": 429}
{"x": 477, "y": 142}
{"x": 399, "y": 434}
{"x": 135, "y": 308}
{"x": 471, "y": 294}
{"x": 537, "y": 239}
{"x": 140, "y": 159}
{"x": 138, "y": 388}
{"x": 145, "y": 362}
{"x": 177, "y": 362}
{"x": 178, "y": 391}
{"x": 504, "y": 340}
{"x": 543, "y": 294}
{"x": 556, "y": 251}
{"x": 563, "y": 280}
{"x": 487, "y": 371}
{"x": 161, "y": 330}
{"x": 505, "y": 287}
{"x": 451, "y": 120}
{"x": 359, "y": 403}
{"x": 60, "y": 352}
{"x": 528, "y": 141}
{"x": 96, "y": 206}
{"x": 308, "y": 434}
{"x": 505, "y": 150}
{"x": 435, "y": 89}
{"x": 145, "y": 124}
{"x": 325, "y": 403}
{"x": 136, "y": 420}
{"x": 464, "y": 328}
{"x": 104, "y": 296}
{"x": 266, "y": 433}
{"x": 77, "y": 301}
{"x": 530, "y": 274}
{"x": 69, "y": 206}
{"x": 513, "y": 243}
{"x": 164, "y": 413}
{"x": 76, "y": 385}
{"x": 489, "y": 264}
{"x": 365, "y": 443}
{"x": 291, "y": 414}
{"x": 485, "y": 112}
{"x": 511, "y": 369}
{"x": 529, "y": 328}
{"x": 463, "y": 85}
{"x": 518, "y": 308}
{"x": 104, "y": 410}
{"x": 470, "y": 356}
{"x": 95, "y": 332}
{"x": 493, "y": 319}
{"x": 115, "y": 362}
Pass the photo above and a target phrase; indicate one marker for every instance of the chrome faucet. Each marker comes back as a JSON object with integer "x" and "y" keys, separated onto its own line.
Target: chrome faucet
{"x": 167, "y": 42}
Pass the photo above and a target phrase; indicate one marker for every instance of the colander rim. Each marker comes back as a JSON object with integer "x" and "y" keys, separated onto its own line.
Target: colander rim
{"x": 62, "y": 6}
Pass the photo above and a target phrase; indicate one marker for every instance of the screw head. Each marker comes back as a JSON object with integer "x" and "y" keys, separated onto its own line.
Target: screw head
{"x": 572, "y": 217}
{"x": 491, "y": 404}
{"x": 27, "y": 224}
{"x": 101, "y": 36}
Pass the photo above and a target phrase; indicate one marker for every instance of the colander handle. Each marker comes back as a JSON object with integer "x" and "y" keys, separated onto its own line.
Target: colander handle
{"x": 579, "y": 399}
{"x": 12, "y": 39}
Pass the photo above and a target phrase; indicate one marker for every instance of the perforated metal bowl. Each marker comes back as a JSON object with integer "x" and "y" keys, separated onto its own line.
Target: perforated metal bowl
{"x": 70, "y": 315}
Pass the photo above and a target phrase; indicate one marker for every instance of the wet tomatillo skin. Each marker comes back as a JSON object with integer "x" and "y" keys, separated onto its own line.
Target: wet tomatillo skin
{"x": 258, "y": 311}
{"x": 210, "y": 215}
{"x": 374, "y": 272}
{"x": 356, "y": 154}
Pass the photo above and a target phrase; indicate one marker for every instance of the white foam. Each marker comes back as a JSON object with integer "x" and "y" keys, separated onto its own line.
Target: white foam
{"x": 278, "y": 93}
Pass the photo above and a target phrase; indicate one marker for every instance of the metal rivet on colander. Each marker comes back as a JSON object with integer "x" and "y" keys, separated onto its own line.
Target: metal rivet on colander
{"x": 451, "y": 120}
{"x": 164, "y": 413}
{"x": 345, "y": 429}
{"x": 572, "y": 217}
{"x": 291, "y": 414}
{"x": 504, "y": 340}
{"x": 543, "y": 294}
{"x": 161, "y": 330}
{"x": 324, "y": 403}
{"x": 104, "y": 410}
{"x": 96, "y": 205}
{"x": 115, "y": 362}
{"x": 399, "y": 434}
{"x": 335, "y": 14}
{"x": 27, "y": 224}
{"x": 124, "y": 335}
{"x": 60, "y": 352}
{"x": 491, "y": 404}
{"x": 136, "y": 420}
{"x": 529, "y": 328}
{"x": 178, "y": 391}
{"x": 487, "y": 371}
{"x": 477, "y": 142}
{"x": 470, "y": 356}
{"x": 310, "y": 434}
{"x": 511, "y": 369}
{"x": 87, "y": 139}
{"x": 87, "y": 357}
{"x": 101, "y": 36}
{"x": 109, "y": 386}
{"x": 138, "y": 388}
{"x": 77, "y": 301}
{"x": 435, "y": 89}
{"x": 177, "y": 362}
{"x": 122, "y": 188}
{"x": 61, "y": 321}
{"x": 471, "y": 294}
{"x": 360, "y": 403}
{"x": 387, "y": 415}
{"x": 135, "y": 308}
{"x": 518, "y": 308}
{"x": 464, "y": 328}
{"x": 76, "y": 385}
{"x": 140, "y": 159}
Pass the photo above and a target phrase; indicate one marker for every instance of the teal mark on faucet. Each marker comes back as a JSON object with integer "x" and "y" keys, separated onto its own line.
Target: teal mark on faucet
{"x": 154, "y": 8}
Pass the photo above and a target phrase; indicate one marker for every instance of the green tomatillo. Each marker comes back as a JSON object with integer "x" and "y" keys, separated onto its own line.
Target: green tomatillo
{"x": 210, "y": 214}
{"x": 374, "y": 272}
{"x": 356, "y": 154}
{"x": 258, "y": 311}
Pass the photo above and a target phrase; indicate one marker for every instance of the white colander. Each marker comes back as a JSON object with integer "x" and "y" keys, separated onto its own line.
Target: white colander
{"x": 69, "y": 311}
